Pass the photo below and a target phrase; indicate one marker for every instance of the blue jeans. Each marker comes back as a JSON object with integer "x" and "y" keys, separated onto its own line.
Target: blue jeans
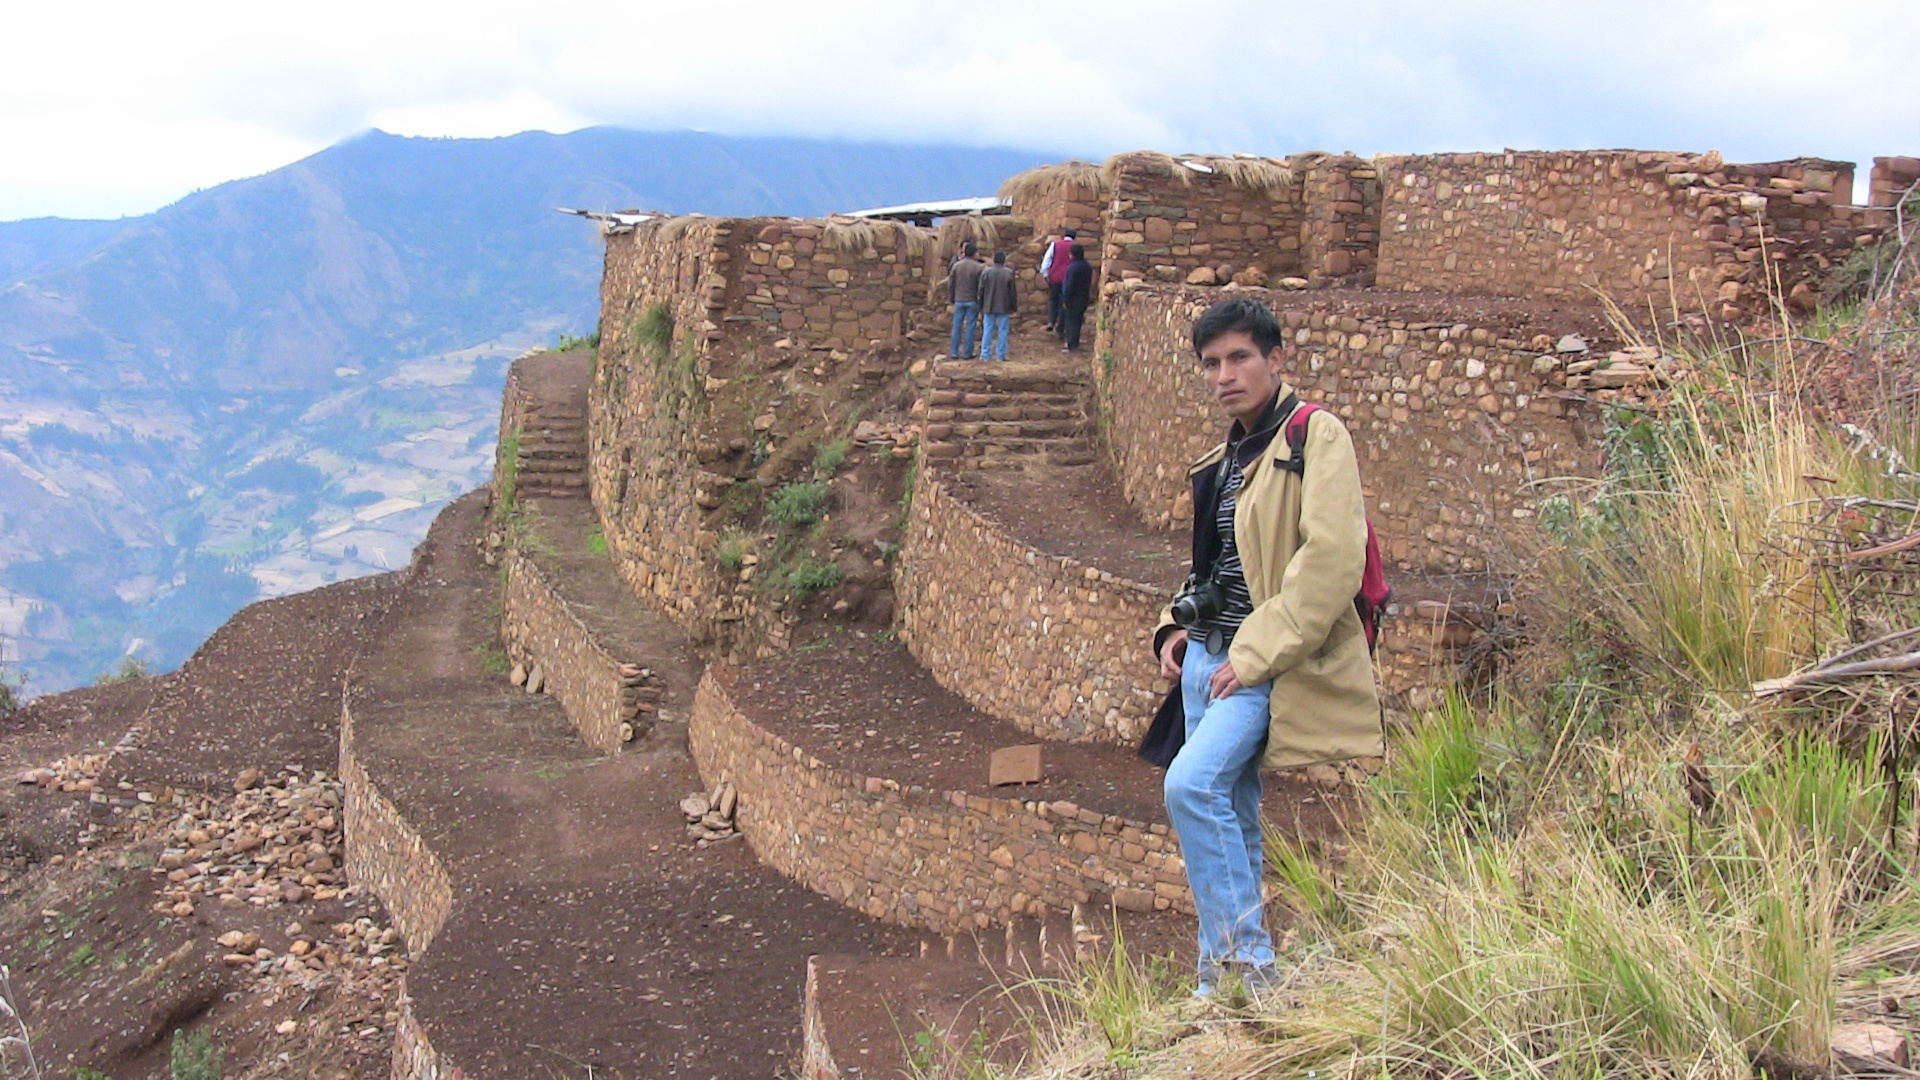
{"x": 966, "y": 326}
{"x": 993, "y": 343}
{"x": 1213, "y": 801}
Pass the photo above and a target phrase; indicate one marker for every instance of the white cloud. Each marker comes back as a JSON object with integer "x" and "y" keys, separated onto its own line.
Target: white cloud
{"x": 119, "y": 107}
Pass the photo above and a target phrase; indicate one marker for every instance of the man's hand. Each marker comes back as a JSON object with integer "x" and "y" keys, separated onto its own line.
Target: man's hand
{"x": 1223, "y": 684}
{"x": 1170, "y": 654}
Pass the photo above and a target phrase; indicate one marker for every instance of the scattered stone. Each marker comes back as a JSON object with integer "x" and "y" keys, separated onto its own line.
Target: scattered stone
{"x": 248, "y": 779}
{"x": 1203, "y": 275}
{"x": 1015, "y": 765}
{"x": 1864, "y": 1045}
{"x": 37, "y": 776}
{"x": 1571, "y": 343}
{"x": 518, "y": 676}
{"x": 286, "y": 1027}
{"x": 1295, "y": 283}
{"x": 694, "y": 806}
{"x": 729, "y": 799}
{"x": 1326, "y": 777}
{"x": 536, "y": 680}
{"x": 1133, "y": 899}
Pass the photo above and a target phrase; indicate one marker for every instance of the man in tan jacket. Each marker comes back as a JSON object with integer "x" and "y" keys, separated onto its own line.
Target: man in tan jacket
{"x": 1269, "y": 649}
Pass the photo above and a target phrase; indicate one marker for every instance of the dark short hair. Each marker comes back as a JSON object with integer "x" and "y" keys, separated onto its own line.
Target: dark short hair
{"x": 1242, "y": 314}
{"x": 1000, "y": 257}
{"x": 1069, "y": 234}
{"x": 1079, "y": 251}
{"x": 972, "y": 248}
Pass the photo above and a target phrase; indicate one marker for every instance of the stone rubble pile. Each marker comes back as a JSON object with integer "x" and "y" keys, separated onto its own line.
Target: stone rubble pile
{"x": 895, "y": 439}
{"x": 710, "y": 814}
{"x": 275, "y": 842}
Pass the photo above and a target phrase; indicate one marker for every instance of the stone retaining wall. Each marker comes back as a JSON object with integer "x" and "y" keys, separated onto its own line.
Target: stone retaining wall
{"x": 414, "y": 1057}
{"x": 1451, "y": 420}
{"x": 1047, "y": 643}
{"x": 608, "y": 701}
{"x": 945, "y": 861}
{"x": 386, "y": 855}
{"x": 1678, "y": 230}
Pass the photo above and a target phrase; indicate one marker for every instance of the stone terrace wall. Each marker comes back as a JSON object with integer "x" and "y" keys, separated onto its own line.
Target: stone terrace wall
{"x": 609, "y": 702}
{"x": 387, "y": 855}
{"x": 1047, "y": 643}
{"x": 1340, "y": 238}
{"x": 1167, "y": 222}
{"x": 1891, "y": 177}
{"x": 766, "y": 292}
{"x": 944, "y": 861}
{"x": 1452, "y": 410}
{"x": 514, "y": 402}
{"x": 1673, "y": 228}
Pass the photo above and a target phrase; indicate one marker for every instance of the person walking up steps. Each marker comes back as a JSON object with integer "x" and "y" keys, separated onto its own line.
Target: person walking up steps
{"x": 1053, "y": 267}
{"x": 963, "y": 281}
{"x": 1269, "y": 649}
{"x": 998, "y": 299}
{"x": 1076, "y": 291}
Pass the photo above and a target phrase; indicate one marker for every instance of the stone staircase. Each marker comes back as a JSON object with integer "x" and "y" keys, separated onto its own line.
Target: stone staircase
{"x": 552, "y": 458}
{"x": 1001, "y": 415}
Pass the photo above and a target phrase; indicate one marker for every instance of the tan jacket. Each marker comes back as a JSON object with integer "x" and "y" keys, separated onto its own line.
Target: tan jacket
{"x": 1302, "y": 542}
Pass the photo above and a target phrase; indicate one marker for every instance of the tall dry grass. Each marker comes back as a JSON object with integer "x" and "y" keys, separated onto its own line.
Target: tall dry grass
{"x": 1642, "y": 870}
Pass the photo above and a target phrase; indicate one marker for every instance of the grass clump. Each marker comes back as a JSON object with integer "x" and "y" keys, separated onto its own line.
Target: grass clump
{"x": 799, "y": 504}
{"x": 508, "y": 467}
{"x": 569, "y": 343}
{"x": 829, "y": 456}
{"x": 806, "y": 577}
{"x": 732, "y": 552}
{"x": 195, "y": 1056}
{"x": 127, "y": 670}
{"x": 596, "y": 541}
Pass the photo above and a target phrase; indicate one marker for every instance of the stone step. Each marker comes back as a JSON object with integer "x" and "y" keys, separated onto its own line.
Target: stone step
{"x": 551, "y": 465}
{"x": 975, "y": 452}
{"x": 553, "y": 452}
{"x": 554, "y": 478}
{"x": 1006, "y": 413}
{"x": 1016, "y": 428}
{"x": 1011, "y": 384}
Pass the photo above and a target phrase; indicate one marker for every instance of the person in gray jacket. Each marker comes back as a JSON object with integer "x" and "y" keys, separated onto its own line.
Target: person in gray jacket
{"x": 998, "y": 299}
{"x": 963, "y": 284}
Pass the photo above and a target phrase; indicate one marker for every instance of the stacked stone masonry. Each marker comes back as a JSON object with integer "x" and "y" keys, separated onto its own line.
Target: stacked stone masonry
{"x": 386, "y": 854}
{"x": 1454, "y": 422}
{"x": 744, "y": 296}
{"x": 946, "y": 861}
{"x": 608, "y": 701}
{"x": 1171, "y": 222}
{"x": 1679, "y": 231}
{"x": 1047, "y": 643}
{"x": 1080, "y": 207}
{"x": 1892, "y": 177}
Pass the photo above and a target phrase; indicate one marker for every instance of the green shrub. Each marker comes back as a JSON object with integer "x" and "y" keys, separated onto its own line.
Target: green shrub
{"x": 799, "y": 503}
{"x": 826, "y": 462}
{"x": 569, "y": 343}
{"x": 196, "y": 1057}
{"x": 807, "y": 577}
{"x": 597, "y": 541}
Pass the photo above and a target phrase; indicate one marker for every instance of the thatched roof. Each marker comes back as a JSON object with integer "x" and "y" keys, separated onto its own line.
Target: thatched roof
{"x": 1044, "y": 181}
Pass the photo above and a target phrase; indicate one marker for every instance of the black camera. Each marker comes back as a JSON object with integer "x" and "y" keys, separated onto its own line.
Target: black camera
{"x": 1198, "y": 602}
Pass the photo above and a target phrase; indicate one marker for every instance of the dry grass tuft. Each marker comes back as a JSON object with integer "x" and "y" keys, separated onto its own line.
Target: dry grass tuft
{"x": 674, "y": 228}
{"x": 868, "y": 238}
{"x": 1264, "y": 176}
{"x": 1047, "y": 180}
{"x": 957, "y": 230}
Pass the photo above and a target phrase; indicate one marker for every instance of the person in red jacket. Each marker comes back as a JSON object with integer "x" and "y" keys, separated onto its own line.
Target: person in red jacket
{"x": 1053, "y": 267}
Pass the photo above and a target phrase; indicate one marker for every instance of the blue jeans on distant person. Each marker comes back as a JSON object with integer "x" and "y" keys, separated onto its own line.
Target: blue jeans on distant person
{"x": 993, "y": 342}
{"x": 1213, "y": 801}
{"x": 966, "y": 328}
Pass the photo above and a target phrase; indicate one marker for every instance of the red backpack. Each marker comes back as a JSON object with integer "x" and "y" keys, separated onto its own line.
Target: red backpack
{"x": 1374, "y": 589}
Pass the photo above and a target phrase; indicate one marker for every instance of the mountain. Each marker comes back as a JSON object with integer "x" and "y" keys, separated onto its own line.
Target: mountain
{"x": 276, "y": 382}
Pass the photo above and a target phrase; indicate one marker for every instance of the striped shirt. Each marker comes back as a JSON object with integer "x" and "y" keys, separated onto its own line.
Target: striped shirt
{"x": 1227, "y": 569}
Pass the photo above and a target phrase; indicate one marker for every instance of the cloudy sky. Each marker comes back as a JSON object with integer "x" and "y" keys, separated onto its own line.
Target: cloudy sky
{"x": 109, "y": 109}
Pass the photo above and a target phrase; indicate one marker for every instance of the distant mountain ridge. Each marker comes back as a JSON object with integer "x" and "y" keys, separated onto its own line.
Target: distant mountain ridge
{"x": 275, "y": 382}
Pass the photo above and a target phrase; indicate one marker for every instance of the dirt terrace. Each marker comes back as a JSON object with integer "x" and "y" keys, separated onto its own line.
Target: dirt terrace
{"x": 587, "y": 929}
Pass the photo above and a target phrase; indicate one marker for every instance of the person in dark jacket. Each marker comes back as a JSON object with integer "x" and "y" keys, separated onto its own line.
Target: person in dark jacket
{"x": 1076, "y": 290}
{"x": 998, "y": 298}
{"x": 963, "y": 279}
